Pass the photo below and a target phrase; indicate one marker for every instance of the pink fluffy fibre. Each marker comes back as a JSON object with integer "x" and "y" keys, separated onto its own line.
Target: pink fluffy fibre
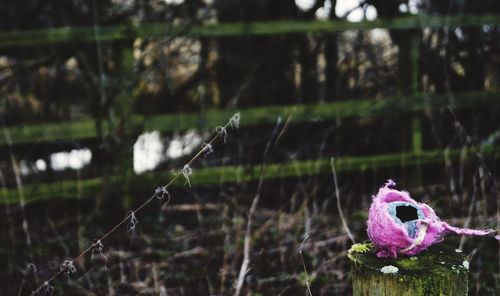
{"x": 393, "y": 235}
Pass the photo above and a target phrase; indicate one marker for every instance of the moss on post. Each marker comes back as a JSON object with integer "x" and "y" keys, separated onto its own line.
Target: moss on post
{"x": 440, "y": 270}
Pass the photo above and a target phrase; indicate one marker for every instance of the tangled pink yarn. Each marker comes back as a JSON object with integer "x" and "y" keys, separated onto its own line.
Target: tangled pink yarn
{"x": 398, "y": 225}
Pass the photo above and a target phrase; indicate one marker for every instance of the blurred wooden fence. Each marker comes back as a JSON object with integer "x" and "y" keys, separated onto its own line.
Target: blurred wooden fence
{"x": 88, "y": 34}
{"x": 86, "y": 129}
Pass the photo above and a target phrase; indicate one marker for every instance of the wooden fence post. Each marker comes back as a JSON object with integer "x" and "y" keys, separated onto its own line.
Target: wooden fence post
{"x": 440, "y": 270}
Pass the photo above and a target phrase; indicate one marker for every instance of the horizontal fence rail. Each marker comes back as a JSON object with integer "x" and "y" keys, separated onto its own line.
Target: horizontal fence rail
{"x": 126, "y": 32}
{"x": 239, "y": 174}
{"x": 84, "y": 129}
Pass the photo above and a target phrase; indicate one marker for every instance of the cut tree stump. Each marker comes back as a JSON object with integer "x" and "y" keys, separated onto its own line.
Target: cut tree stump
{"x": 440, "y": 270}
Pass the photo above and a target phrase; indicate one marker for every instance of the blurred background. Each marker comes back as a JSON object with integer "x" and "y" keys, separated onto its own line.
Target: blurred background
{"x": 102, "y": 101}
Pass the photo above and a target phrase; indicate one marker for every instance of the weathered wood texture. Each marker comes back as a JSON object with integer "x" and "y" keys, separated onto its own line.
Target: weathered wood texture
{"x": 441, "y": 270}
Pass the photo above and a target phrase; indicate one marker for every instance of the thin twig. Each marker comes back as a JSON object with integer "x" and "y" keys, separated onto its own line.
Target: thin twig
{"x": 304, "y": 264}
{"x": 248, "y": 231}
{"x": 20, "y": 191}
{"x": 339, "y": 207}
{"x": 10, "y": 220}
{"x": 21, "y": 286}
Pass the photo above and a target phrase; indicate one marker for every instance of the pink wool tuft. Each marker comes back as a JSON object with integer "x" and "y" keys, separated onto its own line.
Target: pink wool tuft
{"x": 398, "y": 225}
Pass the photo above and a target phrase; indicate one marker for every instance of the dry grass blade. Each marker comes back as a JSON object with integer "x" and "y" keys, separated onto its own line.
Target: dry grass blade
{"x": 275, "y": 136}
{"x": 339, "y": 207}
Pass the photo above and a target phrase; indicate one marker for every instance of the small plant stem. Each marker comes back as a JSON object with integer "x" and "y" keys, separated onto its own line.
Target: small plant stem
{"x": 304, "y": 264}
{"x": 339, "y": 208}
{"x": 21, "y": 287}
{"x": 244, "y": 268}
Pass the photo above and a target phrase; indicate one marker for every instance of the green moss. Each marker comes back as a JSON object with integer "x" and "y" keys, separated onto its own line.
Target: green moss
{"x": 359, "y": 248}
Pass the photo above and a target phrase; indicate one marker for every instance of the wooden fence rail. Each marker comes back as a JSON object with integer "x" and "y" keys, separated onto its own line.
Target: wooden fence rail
{"x": 238, "y": 174}
{"x": 124, "y": 32}
{"x": 84, "y": 129}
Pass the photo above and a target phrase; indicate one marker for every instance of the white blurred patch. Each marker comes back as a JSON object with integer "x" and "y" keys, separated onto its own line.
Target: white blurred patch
{"x": 175, "y": 2}
{"x": 41, "y": 165}
{"x": 403, "y": 7}
{"x": 71, "y": 64}
{"x": 371, "y": 13}
{"x": 321, "y": 13}
{"x": 344, "y": 6}
{"x": 324, "y": 11}
{"x": 123, "y": 3}
{"x": 304, "y": 4}
{"x": 380, "y": 35}
{"x": 24, "y": 167}
{"x": 184, "y": 144}
{"x": 75, "y": 159}
{"x": 413, "y": 4}
{"x": 410, "y": 7}
{"x": 27, "y": 167}
{"x": 148, "y": 150}
{"x": 356, "y": 13}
